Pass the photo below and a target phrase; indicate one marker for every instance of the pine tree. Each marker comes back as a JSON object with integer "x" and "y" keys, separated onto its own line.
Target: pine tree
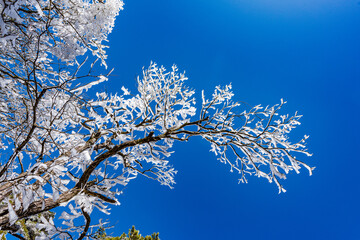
{"x": 132, "y": 235}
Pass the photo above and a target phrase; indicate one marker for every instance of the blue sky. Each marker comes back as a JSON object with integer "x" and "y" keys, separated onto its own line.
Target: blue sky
{"x": 307, "y": 52}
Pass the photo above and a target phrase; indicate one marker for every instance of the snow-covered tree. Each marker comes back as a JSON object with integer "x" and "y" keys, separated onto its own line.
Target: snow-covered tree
{"x": 63, "y": 150}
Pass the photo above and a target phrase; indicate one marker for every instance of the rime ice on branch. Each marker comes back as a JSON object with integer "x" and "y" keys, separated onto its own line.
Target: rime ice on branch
{"x": 63, "y": 150}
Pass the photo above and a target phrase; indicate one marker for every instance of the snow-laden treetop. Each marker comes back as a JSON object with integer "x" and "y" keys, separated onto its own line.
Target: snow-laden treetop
{"x": 60, "y": 149}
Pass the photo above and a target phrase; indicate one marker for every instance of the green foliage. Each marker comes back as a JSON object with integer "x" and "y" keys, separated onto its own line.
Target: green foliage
{"x": 132, "y": 235}
{"x": 3, "y": 235}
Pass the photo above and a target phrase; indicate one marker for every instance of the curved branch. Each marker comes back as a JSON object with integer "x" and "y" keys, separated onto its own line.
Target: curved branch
{"x": 87, "y": 219}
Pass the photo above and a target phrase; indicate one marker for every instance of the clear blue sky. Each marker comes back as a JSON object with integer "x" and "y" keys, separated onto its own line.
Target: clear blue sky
{"x": 307, "y": 52}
